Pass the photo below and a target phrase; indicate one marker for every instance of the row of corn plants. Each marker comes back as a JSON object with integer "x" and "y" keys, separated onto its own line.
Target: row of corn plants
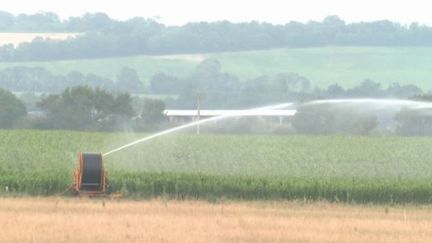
{"x": 335, "y": 168}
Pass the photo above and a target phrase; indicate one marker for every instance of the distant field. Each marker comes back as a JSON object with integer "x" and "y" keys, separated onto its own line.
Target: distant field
{"x": 323, "y": 66}
{"x": 335, "y": 168}
{"x": 18, "y": 38}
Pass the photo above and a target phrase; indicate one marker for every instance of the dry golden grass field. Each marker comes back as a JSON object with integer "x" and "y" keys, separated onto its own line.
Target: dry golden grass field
{"x": 84, "y": 220}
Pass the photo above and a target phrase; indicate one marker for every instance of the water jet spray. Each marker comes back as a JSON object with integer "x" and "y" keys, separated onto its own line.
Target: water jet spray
{"x": 90, "y": 177}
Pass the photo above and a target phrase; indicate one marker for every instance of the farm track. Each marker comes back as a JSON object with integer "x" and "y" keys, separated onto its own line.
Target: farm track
{"x": 98, "y": 220}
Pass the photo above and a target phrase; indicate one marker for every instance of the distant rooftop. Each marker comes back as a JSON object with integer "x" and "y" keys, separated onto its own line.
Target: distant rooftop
{"x": 230, "y": 112}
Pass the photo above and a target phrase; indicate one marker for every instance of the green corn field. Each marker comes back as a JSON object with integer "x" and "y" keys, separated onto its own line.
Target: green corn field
{"x": 376, "y": 169}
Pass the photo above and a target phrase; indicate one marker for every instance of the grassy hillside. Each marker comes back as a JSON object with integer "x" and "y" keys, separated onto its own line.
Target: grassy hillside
{"x": 361, "y": 169}
{"x": 345, "y": 65}
{"x": 323, "y": 66}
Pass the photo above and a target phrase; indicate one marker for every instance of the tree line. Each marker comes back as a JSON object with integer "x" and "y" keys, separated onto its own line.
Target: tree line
{"x": 215, "y": 88}
{"x": 82, "y": 108}
{"x": 343, "y": 118}
{"x": 218, "y": 89}
{"x": 40, "y": 80}
{"x": 105, "y": 37}
{"x": 95, "y": 109}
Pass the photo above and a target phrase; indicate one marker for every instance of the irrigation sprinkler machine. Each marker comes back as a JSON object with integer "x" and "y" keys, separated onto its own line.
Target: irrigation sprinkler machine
{"x": 90, "y": 177}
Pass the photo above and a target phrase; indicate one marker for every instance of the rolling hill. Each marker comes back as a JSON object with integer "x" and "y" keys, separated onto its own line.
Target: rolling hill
{"x": 346, "y": 66}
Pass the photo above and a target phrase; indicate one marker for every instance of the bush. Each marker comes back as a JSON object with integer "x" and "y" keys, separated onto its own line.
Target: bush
{"x": 11, "y": 109}
{"x": 330, "y": 119}
{"x": 414, "y": 122}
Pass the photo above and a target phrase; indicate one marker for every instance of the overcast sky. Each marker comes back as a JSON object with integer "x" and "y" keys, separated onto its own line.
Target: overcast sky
{"x": 175, "y": 12}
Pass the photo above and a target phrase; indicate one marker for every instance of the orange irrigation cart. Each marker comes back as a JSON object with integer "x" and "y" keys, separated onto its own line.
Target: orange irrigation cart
{"x": 90, "y": 177}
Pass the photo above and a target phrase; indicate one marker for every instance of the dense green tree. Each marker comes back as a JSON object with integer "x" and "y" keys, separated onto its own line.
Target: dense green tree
{"x": 40, "y": 21}
{"x": 7, "y": 20}
{"x": 336, "y": 91}
{"x": 128, "y": 80}
{"x": 403, "y": 91}
{"x": 330, "y": 119}
{"x": 214, "y": 87}
{"x": 414, "y": 122}
{"x": 162, "y": 83}
{"x": 152, "y": 111}
{"x": 367, "y": 88}
{"x": 11, "y": 109}
{"x": 86, "y": 108}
